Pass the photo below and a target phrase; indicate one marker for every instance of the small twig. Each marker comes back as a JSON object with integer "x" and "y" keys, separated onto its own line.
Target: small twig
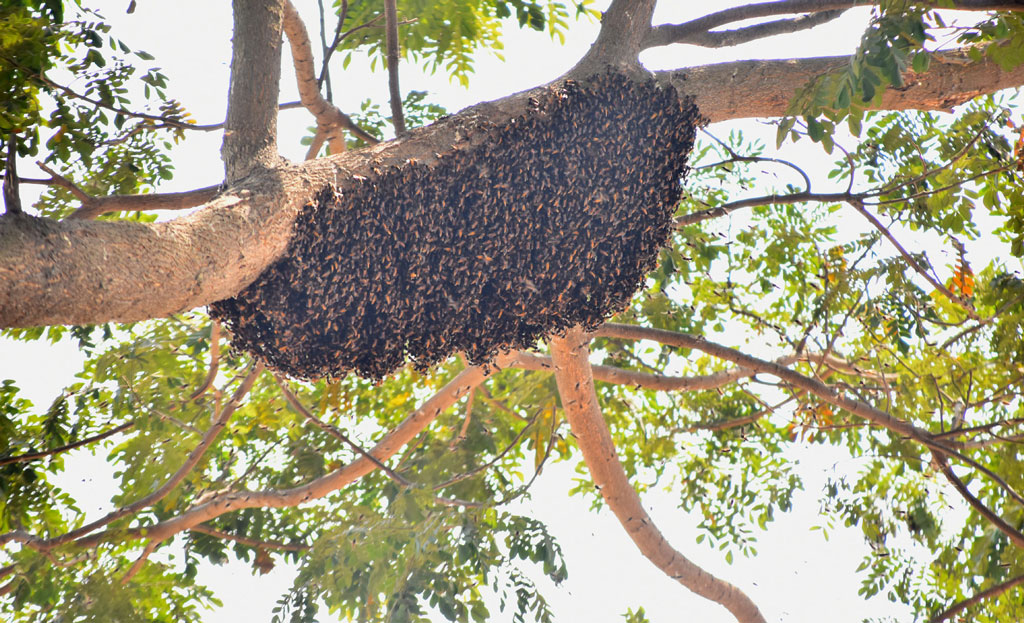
{"x": 244, "y": 540}
{"x": 220, "y": 422}
{"x": 211, "y": 374}
{"x": 329, "y": 49}
{"x": 994, "y": 591}
{"x": 63, "y": 182}
{"x": 32, "y": 456}
{"x": 333, "y": 431}
{"x": 476, "y": 470}
{"x": 858, "y": 205}
{"x": 1016, "y": 537}
{"x": 391, "y": 21}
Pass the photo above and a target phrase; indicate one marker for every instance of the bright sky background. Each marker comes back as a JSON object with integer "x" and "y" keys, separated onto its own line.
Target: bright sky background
{"x": 798, "y": 576}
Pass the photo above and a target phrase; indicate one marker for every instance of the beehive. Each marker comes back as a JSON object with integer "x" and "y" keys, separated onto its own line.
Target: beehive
{"x": 551, "y": 221}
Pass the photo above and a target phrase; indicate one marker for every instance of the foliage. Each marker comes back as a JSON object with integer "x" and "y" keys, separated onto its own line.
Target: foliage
{"x": 929, "y": 332}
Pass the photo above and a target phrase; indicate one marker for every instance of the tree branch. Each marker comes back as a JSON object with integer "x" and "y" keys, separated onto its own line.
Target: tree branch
{"x": 12, "y": 198}
{"x": 211, "y": 373}
{"x": 686, "y": 32}
{"x": 579, "y": 400}
{"x": 193, "y": 459}
{"x": 325, "y": 485}
{"x": 391, "y": 32}
{"x": 32, "y": 456}
{"x": 327, "y": 115}
{"x": 623, "y": 28}
{"x": 1014, "y": 535}
{"x": 250, "y": 136}
{"x": 738, "y": 36}
{"x": 758, "y": 88}
{"x": 244, "y": 540}
{"x": 988, "y": 593}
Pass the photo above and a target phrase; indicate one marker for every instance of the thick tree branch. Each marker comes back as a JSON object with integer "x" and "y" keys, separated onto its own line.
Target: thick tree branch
{"x": 250, "y": 136}
{"x": 579, "y": 400}
{"x": 133, "y": 271}
{"x": 623, "y": 28}
{"x": 756, "y": 88}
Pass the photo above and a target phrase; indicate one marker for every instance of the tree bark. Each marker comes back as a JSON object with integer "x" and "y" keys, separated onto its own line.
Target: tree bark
{"x": 579, "y": 400}
{"x": 82, "y": 272}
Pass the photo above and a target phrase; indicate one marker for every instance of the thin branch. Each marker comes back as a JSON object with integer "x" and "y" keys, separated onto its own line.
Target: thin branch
{"x": 211, "y": 373}
{"x": 390, "y": 444}
{"x": 579, "y": 400}
{"x": 988, "y": 593}
{"x": 250, "y": 542}
{"x": 32, "y": 456}
{"x": 93, "y": 207}
{"x": 333, "y": 431}
{"x": 960, "y": 302}
{"x": 476, "y": 470}
{"x": 141, "y": 560}
{"x": 728, "y": 208}
{"x": 683, "y": 33}
{"x": 1015, "y": 536}
{"x": 219, "y": 423}
{"x": 738, "y": 36}
{"x": 391, "y": 30}
{"x": 329, "y": 49}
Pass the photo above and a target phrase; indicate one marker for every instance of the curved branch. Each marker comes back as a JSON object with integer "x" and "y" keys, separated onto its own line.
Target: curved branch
{"x": 738, "y": 36}
{"x": 579, "y": 400}
{"x": 686, "y": 32}
{"x": 1011, "y": 533}
{"x": 327, "y": 114}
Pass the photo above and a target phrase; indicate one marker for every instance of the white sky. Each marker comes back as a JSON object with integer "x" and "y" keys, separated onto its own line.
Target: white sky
{"x": 796, "y": 577}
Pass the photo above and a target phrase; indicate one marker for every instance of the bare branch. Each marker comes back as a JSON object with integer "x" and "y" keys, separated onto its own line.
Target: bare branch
{"x": 32, "y": 456}
{"x": 244, "y": 540}
{"x": 623, "y": 28}
{"x": 211, "y": 373}
{"x": 1014, "y": 535}
{"x": 327, "y": 115}
{"x": 391, "y": 30}
{"x": 576, "y": 386}
{"x": 988, "y": 593}
{"x": 729, "y": 38}
{"x": 694, "y": 30}
{"x": 250, "y": 136}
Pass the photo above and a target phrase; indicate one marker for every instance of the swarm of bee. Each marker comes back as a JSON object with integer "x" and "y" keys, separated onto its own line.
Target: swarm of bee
{"x": 550, "y": 222}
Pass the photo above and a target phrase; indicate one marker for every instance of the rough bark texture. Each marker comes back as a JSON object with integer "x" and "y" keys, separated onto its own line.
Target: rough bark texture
{"x": 250, "y": 135}
{"x": 765, "y": 88}
{"x": 92, "y": 272}
{"x": 579, "y": 400}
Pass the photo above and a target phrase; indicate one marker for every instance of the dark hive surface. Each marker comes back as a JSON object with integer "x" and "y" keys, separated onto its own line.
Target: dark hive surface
{"x": 550, "y": 222}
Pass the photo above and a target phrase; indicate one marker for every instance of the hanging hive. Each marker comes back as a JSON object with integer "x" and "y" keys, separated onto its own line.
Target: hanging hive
{"x": 551, "y": 221}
